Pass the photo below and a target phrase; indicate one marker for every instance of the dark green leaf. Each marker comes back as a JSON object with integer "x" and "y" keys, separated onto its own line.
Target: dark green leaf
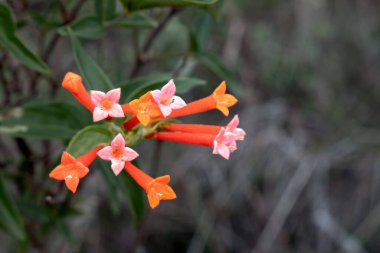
{"x": 112, "y": 186}
{"x": 32, "y": 210}
{"x": 134, "y": 195}
{"x": 215, "y": 64}
{"x": 105, "y": 9}
{"x": 45, "y": 119}
{"x": 10, "y": 42}
{"x": 89, "y": 138}
{"x": 7, "y": 25}
{"x": 135, "y": 21}
{"x": 133, "y": 5}
{"x": 184, "y": 84}
{"x": 88, "y": 28}
{"x": 11, "y": 220}
{"x": 94, "y": 76}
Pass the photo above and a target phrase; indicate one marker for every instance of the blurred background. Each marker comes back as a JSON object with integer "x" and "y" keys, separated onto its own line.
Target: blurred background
{"x": 307, "y": 75}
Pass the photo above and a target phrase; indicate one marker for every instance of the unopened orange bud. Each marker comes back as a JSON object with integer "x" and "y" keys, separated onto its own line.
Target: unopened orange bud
{"x": 73, "y": 83}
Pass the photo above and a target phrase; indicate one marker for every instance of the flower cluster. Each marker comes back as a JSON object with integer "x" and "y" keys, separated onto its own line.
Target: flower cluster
{"x": 147, "y": 112}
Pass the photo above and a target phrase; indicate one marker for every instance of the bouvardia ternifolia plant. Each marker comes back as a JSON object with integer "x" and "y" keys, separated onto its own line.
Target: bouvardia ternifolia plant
{"x": 149, "y": 118}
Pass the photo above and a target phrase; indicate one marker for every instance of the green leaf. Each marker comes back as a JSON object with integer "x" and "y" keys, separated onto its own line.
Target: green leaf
{"x": 135, "y": 21}
{"x": 45, "y": 120}
{"x": 94, "y": 76}
{"x": 134, "y": 195}
{"x": 133, "y": 5}
{"x": 10, "y": 42}
{"x": 32, "y": 210}
{"x": 139, "y": 86}
{"x": 11, "y": 219}
{"x": 111, "y": 184}
{"x": 89, "y": 138}
{"x": 184, "y": 84}
{"x": 105, "y": 9}
{"x": 215, "y": 64}
{"x": 88, "y": 28}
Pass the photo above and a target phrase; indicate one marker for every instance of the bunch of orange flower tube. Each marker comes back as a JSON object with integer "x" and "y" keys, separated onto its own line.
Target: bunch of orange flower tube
{"x": 145, "y": 112}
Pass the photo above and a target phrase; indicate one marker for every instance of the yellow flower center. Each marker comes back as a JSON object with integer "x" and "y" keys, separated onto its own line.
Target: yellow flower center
{"x": 106, "y": 104}
{"x": 166, "y": 101}
{"x": 117, "y": 153}
{"x": 143, "y": 108}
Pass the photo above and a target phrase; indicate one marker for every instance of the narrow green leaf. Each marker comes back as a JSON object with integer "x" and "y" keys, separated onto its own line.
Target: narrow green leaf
{"x": 111, "y": 184}
{"x": 6, "y": 20}
{"x": 45, "y": 120}
{"x": 135, "y": 21}
{"x": 134, "y": 195}
{"x": 88, "y": 28}
{"x": 94, "y": 76}
{"x": 184, "y": 84}
{"x": 215, "y": 64}
{"x": 89, "y": 138}
{"x": 10, "y": 42}
{"x": 105, "y": 9}
{"x": 11, "y": 220}
{"x": 133, "y": 5}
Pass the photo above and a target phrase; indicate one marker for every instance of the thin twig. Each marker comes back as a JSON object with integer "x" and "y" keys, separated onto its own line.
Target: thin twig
{"x": 140, "y": 56}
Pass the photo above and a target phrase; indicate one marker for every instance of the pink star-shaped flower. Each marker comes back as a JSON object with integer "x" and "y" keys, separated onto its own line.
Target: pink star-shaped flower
{"x": 224, "y": 143}
{"x": 118, "y": 154}
{"x": 106, "y": 105}
{"x": 233, "y": 129}
{"x": 166, "y": 100}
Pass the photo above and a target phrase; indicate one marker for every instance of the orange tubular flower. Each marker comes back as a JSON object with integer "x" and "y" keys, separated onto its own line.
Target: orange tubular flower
{"x": 217, "y": 100}
{"x": 73, "y": 83}
{"x": 193, "y": 128}
{"x": 145, "y": 109}
{"x": 126, "y": 109}
{"x": 72, "y": 169}
{"x": 156, "y": 188}
{"x": 188, "y": 138}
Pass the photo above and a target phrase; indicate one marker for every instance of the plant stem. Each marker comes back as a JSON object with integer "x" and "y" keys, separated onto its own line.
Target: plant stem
{"x": 140, "y": 57}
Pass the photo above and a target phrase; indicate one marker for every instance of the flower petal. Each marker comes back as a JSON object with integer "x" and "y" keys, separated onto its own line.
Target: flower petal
{"x": 97, "y": 97}
{"x": 129, "y": 154}
{"x": 221, "y": 89}
{"x": 143, "y": 118}
{"x": 233, "y": 123}
{"x": 166, "y": 110}
{"x": 223, "y": 109}
{"x": 60, "y": 172}
{"x": 223, "y": 151}
{"x": 239, "y": 134}
{"x": 114, "y": 95}
{"x": 163, "y": 179}
{"x": 153, "y": 199}
{"x": 98, "y": 114}
{"x": 116, "y": 111}
{"x": 81, "y": 169}
{"x": 156, "y": 94}
{"x": 177, "y": 103}
{"x": 167, "y": 193}
{"x": 105, "y": 153}
{"x": 117, "y": 166}
{"x": 72, "y": 182}
{"x": 169, "y": 89}
{"x": 215, "y": 149}
{"x": 118, "y": 141}
{"x": 66, "y": 158}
